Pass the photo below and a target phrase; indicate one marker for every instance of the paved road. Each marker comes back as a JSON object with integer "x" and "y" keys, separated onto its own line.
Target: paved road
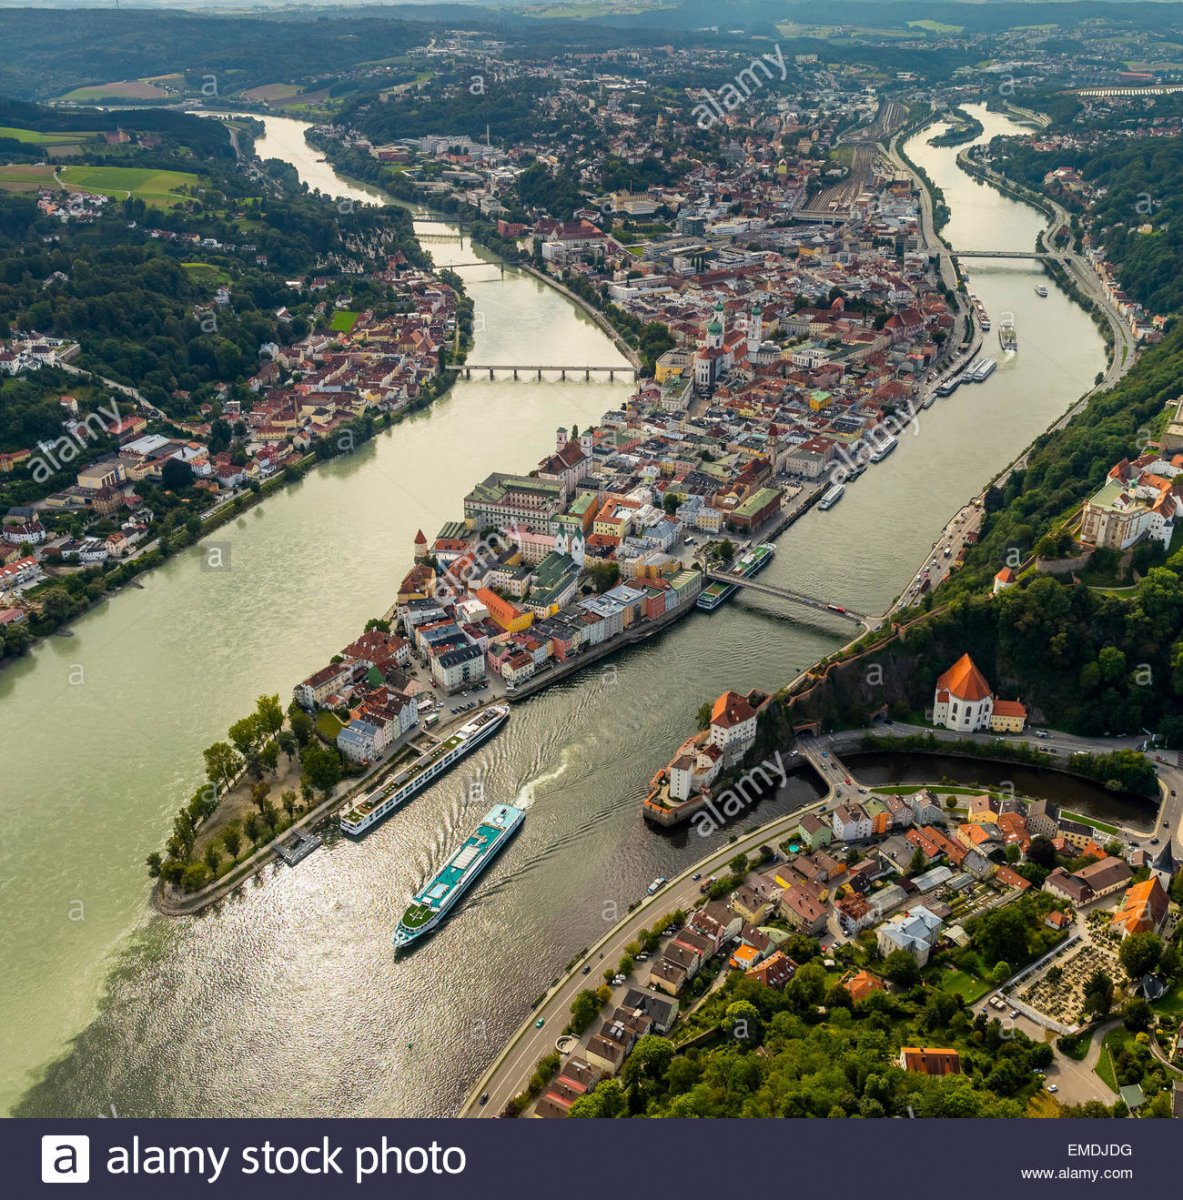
{"x": 510, "y": 1072}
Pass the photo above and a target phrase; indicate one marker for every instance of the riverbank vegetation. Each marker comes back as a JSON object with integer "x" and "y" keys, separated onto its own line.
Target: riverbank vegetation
{"x": 964, "y": 128}
{"x": 920, "y": 116}
{"x": 236, "y": 810}
{"x": 1130, "y": 200}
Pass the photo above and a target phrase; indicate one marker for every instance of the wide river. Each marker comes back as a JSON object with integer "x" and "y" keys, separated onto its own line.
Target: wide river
{"x": 287, "y": 1001}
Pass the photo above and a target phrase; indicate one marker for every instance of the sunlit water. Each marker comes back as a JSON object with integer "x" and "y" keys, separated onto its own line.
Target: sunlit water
{"x": 286, "y": 1001}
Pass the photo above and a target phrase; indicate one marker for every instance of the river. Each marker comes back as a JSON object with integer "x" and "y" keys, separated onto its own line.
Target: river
{"x": 285, "y": 1001}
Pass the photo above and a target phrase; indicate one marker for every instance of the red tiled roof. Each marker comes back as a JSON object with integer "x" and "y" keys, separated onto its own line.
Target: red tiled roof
{"x": 964, "y": 680}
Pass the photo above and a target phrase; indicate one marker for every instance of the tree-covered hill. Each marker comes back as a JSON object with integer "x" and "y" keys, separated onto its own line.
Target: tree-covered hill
{"x": 1136, "y": 213}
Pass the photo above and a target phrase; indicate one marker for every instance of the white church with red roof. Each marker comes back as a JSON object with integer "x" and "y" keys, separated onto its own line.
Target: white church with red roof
{"x": 963, "y": 699}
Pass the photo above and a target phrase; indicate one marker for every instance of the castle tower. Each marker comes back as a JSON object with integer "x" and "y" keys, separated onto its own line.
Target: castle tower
{"x": 420, "y": 546}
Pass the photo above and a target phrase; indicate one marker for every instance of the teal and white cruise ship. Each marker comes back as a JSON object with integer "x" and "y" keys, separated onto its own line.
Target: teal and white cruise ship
{"x": 385, "y": 798}
{"x": 458, "y": 874}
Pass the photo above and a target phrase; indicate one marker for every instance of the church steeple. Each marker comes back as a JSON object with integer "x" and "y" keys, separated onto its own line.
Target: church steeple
{"x": 715, "y": 328}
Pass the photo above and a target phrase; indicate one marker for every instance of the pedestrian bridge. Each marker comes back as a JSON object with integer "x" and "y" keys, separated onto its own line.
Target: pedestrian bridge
{"x": 783, "y": 593}
{"x": 515, "y": 369}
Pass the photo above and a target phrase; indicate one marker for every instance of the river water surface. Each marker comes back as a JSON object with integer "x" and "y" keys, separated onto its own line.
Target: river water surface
{"x": 286, "y": 1001}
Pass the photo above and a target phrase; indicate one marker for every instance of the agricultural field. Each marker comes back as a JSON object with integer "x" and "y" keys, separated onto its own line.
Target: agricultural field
{"x": 270, "y": 92}
{"x": 34, "y": 137}
{"x": 302, "y": 100}
{"x": 26, "y": 177}
{"x": 935, "y": 26}
{"x": 164, "y": 189}
{"x": 124, "y": 89}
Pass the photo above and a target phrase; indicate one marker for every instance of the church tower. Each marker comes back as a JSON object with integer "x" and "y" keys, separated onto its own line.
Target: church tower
{"x": 755, "y": 328}
{"x": 715, "y": 327}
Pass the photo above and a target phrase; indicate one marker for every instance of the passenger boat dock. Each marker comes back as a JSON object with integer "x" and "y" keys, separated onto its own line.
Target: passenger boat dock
{"x": 296, "y": 847}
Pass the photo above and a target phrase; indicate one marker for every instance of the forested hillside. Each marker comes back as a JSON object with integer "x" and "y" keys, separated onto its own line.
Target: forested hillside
{"x": 1136, "y": 213}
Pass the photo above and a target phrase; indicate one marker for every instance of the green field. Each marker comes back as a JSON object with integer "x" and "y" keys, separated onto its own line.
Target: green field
{"x": 1115, "y": 1041}
{"x": 1100, "y": 825}
{"x": 205, "y": 273}
{"x": 959, "y": 983}
{"x": 328, "y": 726}
{"x": 344, "y": 321}
{"x": 935, "y": 26}
{"x": 37, "y": 138}
{"x": 164, "y": 189}
{"x": 123, "y": 89}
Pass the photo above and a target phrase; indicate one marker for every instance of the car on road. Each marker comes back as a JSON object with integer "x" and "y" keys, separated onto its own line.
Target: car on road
{"x": 1013, "y": 1014}
{"x": 1154, "y": 841}
{"x": 1053, "y": 1088}
{"x": 587, "y": 969}
{"x": 539, "y": 1023}
{"x": 484, "y": 1098}
{"x": 698, "y": 874}
{"x": 848, "y": 779}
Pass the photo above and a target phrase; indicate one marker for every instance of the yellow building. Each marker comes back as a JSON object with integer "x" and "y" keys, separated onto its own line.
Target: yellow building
{"x": 511, "y": 618}
{"x": 1008, "y": 716}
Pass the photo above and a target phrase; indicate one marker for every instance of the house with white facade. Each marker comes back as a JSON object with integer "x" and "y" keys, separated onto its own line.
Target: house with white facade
{"x": 733, "y": 726}
{"x": 850, "y": 823}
